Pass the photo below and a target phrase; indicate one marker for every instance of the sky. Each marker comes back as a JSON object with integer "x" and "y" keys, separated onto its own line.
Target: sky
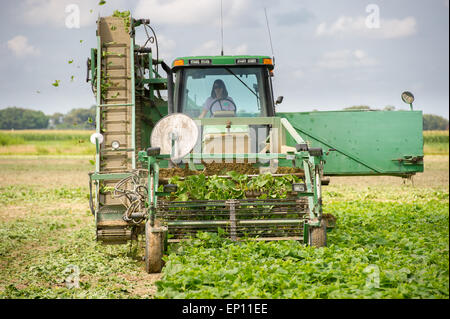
{"x": 328, "y": 54}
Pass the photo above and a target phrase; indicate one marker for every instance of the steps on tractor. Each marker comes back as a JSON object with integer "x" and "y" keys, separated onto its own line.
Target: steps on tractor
{"x": 114, "y": 235}
{"x": 116, "y": 122}
{"x": 110, "y": 216}
{"x": 120, "y": 102}
{"x": 111, "y": 229}
{"x": 116, "y": 105}
{"x": 113, "y": 45}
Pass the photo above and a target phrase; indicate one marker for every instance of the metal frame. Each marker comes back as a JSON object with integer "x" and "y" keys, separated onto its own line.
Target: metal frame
{"x": 311, "y": 164}
{"x": 133, "y": 104}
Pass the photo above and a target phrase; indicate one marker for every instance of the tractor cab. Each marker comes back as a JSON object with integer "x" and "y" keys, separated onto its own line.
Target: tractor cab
{"x": 226, "y": 95}
{"x": 223, "y": 86}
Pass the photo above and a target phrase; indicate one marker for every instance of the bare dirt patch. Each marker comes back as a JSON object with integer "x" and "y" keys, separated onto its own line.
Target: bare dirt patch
{"x": 46, "y": 172}
{"x": 436, "y": 174}
{"x": 143, "y": 283}
{"x": 11, "y": 212}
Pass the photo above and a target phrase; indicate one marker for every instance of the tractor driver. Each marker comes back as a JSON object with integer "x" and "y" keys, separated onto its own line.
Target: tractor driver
{"x": 218, "y": 101}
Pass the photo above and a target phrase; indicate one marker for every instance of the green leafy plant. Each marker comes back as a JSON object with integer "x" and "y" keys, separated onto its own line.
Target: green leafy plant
{"x": 126, "y": 16}
{"x": 396, "y": 232}
{"x": 378, "y": 250}
{"x": 200, "y": 187}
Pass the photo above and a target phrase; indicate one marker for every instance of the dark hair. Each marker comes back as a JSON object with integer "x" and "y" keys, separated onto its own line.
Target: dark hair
{"x": 221, "y": 84}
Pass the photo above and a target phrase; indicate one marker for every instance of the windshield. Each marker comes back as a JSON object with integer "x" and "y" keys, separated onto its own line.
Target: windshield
{"x": 223, "y": 91}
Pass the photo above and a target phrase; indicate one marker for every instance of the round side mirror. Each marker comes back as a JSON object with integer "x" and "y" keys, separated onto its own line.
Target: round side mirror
{"x": 407, "y": 97}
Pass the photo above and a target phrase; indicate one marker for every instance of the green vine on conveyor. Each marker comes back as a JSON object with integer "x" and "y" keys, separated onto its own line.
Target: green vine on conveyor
{"x": 238, "y": 186}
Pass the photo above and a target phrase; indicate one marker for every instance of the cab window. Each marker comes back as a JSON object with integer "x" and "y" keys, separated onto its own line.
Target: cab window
{"x": 244, "y": 86}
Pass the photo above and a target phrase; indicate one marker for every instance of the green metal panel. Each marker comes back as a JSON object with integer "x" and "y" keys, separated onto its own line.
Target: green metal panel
{"x": 274, "y": 121}
{"x": 93, "y": 64}
{"x": 366, "y": 142}
{"x": 155, "y": 107}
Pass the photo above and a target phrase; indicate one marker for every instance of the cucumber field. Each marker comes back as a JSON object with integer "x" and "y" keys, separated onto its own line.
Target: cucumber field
{"x": 225, "y": 158}
{"x": 391, "y": 239}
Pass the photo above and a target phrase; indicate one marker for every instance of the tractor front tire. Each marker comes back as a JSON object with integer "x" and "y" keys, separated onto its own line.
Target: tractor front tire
{"x": 154, "y": 247}
{"x": 318, "y": 235}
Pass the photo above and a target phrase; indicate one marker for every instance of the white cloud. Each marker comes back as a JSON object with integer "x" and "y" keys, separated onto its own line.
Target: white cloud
{"x": 37, "y": 12}
{"x": 21, "y": 48}
{"x": 160, "y": 12}
{"x": 192, "y": 12}
{"x": 392, "y": 28}
{"x": 166, "y": 47}
{"x": 53, "y": 12}
{"x": 345, "y": 59}
{"x": 213, "y": 47}
{"x": 166, "y": 43}
{"x": 241, "y": 49}
{"x": 298, "y": 73}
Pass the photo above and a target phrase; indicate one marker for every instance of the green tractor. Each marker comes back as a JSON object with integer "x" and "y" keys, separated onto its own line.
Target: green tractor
{"x": 209, "y": 116}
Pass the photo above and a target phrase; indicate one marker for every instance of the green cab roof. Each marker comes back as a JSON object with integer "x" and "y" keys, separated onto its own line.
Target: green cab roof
{"x": 241, "y": 60}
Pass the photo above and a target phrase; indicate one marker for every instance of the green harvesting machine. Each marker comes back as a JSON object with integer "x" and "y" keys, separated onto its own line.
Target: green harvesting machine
{"x": 208, "y": 116}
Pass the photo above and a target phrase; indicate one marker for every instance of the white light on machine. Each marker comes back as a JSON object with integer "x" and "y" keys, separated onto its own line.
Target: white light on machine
{"x": 298, "y": 187}
{"x": 96, "y": 137}
{"x": 200, "y": 61}
{"x": 115, "y": 145}
{"x": 247, "y": 61}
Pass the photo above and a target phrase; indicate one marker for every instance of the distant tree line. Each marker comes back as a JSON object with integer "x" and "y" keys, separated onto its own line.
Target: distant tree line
{"x": 365, "y": 107}
{"x": 84, "y": 119}
{"x": 434, "y": 122}
{"x": 14, "y": 118}
{"x": 17, "y": 118}
{"x": 431, "y": 122}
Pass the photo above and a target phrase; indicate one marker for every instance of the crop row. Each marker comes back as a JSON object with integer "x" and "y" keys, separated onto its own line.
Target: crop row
{"x": 378, "y": 250}
{"x": 22, "y": 137}
{"x": 435, "y": 137}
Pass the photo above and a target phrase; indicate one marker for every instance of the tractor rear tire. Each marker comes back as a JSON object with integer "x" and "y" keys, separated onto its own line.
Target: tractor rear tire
{"x": 318, "y": 235}
{"x": 154, "y": 247}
